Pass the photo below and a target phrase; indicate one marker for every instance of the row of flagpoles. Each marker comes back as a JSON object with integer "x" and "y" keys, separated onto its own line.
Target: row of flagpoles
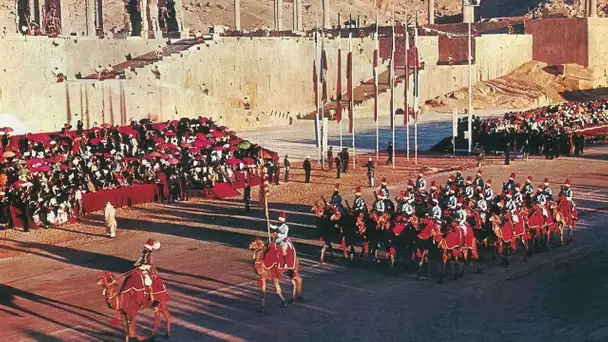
{"x": 320, "y": 79}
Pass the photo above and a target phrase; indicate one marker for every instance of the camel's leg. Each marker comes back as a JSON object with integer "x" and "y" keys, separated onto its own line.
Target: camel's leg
{"x": 294, "y": 295}
{"x": 420, "y": 264}
{"x": 279, "y": 293}
{"x": 263, "y": 295}
{"x": 125, "y": 320}
{"x": 165, "y": 311}
{"x": 133, "y": 328}
{"x": 442, "y": 272}
{"x": 156, "y": 321}
{"x": 524, "y": 243}
{"x": 392, "y": 260}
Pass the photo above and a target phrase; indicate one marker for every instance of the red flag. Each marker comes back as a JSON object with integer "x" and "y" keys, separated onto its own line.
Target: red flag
{"x": 324, "y": 74}
{"x": 339, "y": 88}
{"x": 315, "y": 83}
{"x": 349, "y": 75}
{"x": 375, "y": 62}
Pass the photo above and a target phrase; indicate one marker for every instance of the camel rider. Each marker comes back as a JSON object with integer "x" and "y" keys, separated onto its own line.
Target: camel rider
{"x": 281, "y": 233}
{"x": 488, "y": 192}
{"x": 517, "y": 196}
{"x": 468, "y": 189}
{"x": 547, "y": 191}
{"x": 360, "y": 206}
{"x": 336, "y": 199}
{"x": 420, "y": 183}
{"x": 146, "y": 265}
{"x": 452, "y": 202}
{"x": 541, "y": 200}
{"x": 384, "y": 190}
{"x": 433, "y": 193}
{"x": 459, "y": 179}
{"x": 405, "y": 207}
{"x": 510, "y": 184}
{"x": 410, "y": 191}
{"x": 478, "y": 181}
{"x": 379, "y": 206}
{"x": 528, "y": 188}
{"x": 448, "y": 186}
{"x": 567, "y": 192}
{"x": 436, "y": 210}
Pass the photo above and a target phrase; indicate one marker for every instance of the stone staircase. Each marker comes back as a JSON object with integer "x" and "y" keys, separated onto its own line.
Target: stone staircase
{"x": 147, "y": 59}
{"x": 363, "y": 92}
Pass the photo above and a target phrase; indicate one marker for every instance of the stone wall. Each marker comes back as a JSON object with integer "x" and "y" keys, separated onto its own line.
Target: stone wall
{"x": 499, "y": 54}
{"x": 597, "y": 30}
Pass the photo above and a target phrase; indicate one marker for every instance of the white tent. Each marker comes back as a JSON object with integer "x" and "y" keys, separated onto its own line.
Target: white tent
{"x": 10, "y": 120}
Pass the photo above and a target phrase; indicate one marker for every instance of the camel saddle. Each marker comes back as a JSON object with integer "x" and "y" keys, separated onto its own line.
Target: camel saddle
{"x": 134, "y": 285}
{"x": 274, "y": 256}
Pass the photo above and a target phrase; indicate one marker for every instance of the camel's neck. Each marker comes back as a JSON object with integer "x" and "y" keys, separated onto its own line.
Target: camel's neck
{"x": 112, "y": 297}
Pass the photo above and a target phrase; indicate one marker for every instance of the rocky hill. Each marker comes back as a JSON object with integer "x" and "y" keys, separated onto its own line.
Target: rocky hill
{"x": 200, "y": 14}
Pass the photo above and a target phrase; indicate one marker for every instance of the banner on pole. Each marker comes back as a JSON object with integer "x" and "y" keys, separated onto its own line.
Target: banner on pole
{"x": 455, "y": 123}
{"x": 349, "y": 75}
{"x": 339, "y": 88}
{"x": 324, "y": 128}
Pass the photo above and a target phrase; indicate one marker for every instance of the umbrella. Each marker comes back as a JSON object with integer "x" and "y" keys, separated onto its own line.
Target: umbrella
{"x": 201, "y": 136}
{"x": 169, "y": 134}
{"x": 233, "y": 161}
{"x": 245, "y": 145}
{"x": 154, "y": 154}
{"x": 164, "y": 156}
{"x": 95, "y": 141}
{"x": 44, "y": 168}
{"x": 234, "y": 148}
{"x": 8, "y": 129}
{"x": 218, "y": 148}
{"x": 173, "y": 161}
{"x": 164, "y": 146}
{"x": 159, "y": 140}
{"x": 203, "y": 119}
{"x": 217, "y": 134}
{"x": 248, "y": 161}
{"x": 106, "y": 125}
{"x": 21, "y": 183}
{"x": 159, "y": 126}
{"x": 8, "y": 154}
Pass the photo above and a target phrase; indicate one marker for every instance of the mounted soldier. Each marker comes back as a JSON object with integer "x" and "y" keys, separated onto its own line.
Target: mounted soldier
{"x": 281, "y": 235}
{"x": 451, "y": 201}
{"x": 517, "y": 196}
{"x": 379, "y": 206}
{"x": 510, "y": 184}
{"x": 511, "y": 207}
{"x": 433, "y": 193}
{"x": 547, "y": 191}
{"x": 404, "y": 205}
{"x": 482, "y": 206}
{"x": 420, "y": 183}
{"x": 410, "y": 191}
{"x": 459, "y": 179}
{"x": 567, "y": 192}
{"x": 359, "y": 206}
{"x": 541, "y": 200}
{"x": 460, "y": 215}
{"x": 528, "y": 189}
{"x": 478, "y": 181}
{"x": 488, "y": 192}
{"x": 146, "y": 265}
{"x": 436, "y": 210}
{"x": 384, "y": 192}
{"x": 336, "y": 199}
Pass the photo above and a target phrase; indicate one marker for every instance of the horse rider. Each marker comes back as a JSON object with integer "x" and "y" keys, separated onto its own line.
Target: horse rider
{"x": 360, "y": 207}
{"x": 547, "y": 191}
{"x": 336, "y": 199}
{"x": 379, "y": 206}
{"x": 528, "y": 188}
{"x": 280, "y": 235}
{"x": 420, "y": 183}
{"x": 468, "y": 189}
{"x": 510, "y": 184}
{"x": 478, "y": 181}
{"x": 384, "y": 190}
{"x": 146, "y": 265}
{"x": 436, "y": 210}
{"x": 567, "y": 192}
{"x": 517, "y": 196}
{"x": 459, "y": 179}
{"x": 488, "y": 192}
{"x": 541, "y": 200}
{"x": 404, "y": 205}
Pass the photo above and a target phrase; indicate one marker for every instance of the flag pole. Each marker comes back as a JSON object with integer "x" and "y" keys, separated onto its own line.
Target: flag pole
{"x": 376, "y": 38}
{"x": 392, "y": 82}
{"x": 406, "y": 90}
{"x": 339, "y": 90}
{"x": 266, "y": 193}
{"x": 323, "y": 71}
{"x": 350, "y": 100}
{"x": 318, "y": 77}
{"x": 417, "y": 92}
{"x": 470, "y": 95}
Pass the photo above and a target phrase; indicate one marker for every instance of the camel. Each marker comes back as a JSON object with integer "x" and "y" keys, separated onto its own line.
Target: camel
{"x": 275, "y": 274}
{"x": 128, "y": 305}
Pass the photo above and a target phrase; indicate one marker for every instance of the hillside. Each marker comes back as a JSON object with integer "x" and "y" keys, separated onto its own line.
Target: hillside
{"x": 199, "y": 14}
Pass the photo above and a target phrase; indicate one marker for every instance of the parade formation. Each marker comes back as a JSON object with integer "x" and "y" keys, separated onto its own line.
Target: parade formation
{"x": 450, "y": 223}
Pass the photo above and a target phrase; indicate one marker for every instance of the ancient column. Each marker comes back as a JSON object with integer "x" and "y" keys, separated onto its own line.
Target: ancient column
{"x": 326, "y": 21}
{"x": 295, "y": 15}
{"x": 592, "y": 8}
{"x": 90, "y": 9}
{"x": 145, "y": 10}
{"x": 279, "y": 15}
{"x": 431, "y": 12}
{"x": 99, "y": 16}
{"x": 179, "y": 13}
{"x": 237, "y": 15}
{"x": 300, "y": 22}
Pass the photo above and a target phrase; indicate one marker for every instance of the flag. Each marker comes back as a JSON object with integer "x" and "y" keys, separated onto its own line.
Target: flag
{"x": 349, "y": 75}
{"x": 324, "y": 73}
{"x": 375, "y": 62}
{"x": 315, "y": 83}
{"x": 406, "y": 50}
{"x": 339, "y": 88}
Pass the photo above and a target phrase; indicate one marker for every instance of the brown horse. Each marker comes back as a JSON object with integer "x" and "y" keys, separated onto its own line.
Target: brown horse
{"x": 128, "y": 303}
{"x": 274, "y": 273}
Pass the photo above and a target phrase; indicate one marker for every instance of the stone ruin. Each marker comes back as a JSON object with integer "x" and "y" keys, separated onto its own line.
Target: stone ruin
{"x": 143, "y": 18}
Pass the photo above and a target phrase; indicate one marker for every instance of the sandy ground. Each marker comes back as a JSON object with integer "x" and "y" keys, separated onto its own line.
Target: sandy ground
{"x": 48, "y": 291}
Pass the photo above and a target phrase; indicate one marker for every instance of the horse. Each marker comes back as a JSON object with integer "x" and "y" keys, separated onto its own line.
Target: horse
{"x": 268, "y": 260}
{"x": 132, "y": 298}
{"x": 566, "y": 216}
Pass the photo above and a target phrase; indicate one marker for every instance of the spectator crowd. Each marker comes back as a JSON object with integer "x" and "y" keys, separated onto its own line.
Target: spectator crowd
{"x": 45, "y": 175}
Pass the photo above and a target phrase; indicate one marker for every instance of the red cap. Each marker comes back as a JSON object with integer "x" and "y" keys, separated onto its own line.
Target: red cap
{"x": 337, "y": 186}
{"x": 489, "y": 182}
{"x": 107, "y": 274}
{"x": 433, "y": 184}
{"x": 518, "y": 186}
{"x": 282, "y": 217}
{"x": 529, "y": 179}
{"x": 479, "y": 172}
{"x": 568, "y": 182}
{"x": 512, "y": 176}
{"x": 358, "y": 189}
{"x": 149, "y": 244}
{"x": 469, "y": 179}
{"x": 402, "y": 193}
{"x": 546, "y": 179}
{"x": 383, "y": 179}
{"x": 410, "y": 183}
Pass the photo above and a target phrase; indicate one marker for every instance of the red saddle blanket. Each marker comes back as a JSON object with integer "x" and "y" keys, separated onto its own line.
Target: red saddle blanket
{"x": 134, "y": 285}
{"x": 274, "y": 257}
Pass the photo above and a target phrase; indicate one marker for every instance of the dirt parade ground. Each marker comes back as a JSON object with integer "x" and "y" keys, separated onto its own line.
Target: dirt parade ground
{"x": 48, "y": 288}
